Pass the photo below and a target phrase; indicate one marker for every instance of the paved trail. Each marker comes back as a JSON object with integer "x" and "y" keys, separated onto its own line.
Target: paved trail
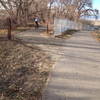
{"x": 77, "y": 74}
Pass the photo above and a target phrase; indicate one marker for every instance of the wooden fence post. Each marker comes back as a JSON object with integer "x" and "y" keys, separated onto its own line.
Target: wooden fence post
{"x": 9, "y": 28}
{"x": 47, "y": 26}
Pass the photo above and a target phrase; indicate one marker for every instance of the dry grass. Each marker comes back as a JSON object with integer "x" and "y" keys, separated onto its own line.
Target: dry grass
{"x": 96, "y": 33}
{"x": 3, "y": 31}
{"x": 21, "y": 29}
{"x": 24, "y": 70}
{"x": 14, "y": 31}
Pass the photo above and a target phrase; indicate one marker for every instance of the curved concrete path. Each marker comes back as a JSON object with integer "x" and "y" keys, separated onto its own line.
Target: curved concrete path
{"x": 77, "y": 74}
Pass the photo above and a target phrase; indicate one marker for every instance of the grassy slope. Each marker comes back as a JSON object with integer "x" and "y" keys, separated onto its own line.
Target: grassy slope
{"x": 24, "y": 70}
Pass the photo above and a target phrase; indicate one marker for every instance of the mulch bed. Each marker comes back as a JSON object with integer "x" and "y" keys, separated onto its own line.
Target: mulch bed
{"x": 24, "y": 70}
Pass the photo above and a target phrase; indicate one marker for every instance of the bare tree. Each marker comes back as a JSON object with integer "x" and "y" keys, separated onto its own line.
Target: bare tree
{"x": 23, "y": 9}
{"x": 17, "y": 8}
{"x": 74, "y": 9}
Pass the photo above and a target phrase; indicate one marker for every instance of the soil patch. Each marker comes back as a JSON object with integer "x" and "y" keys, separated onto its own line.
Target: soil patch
{"x": 67, "y": 34}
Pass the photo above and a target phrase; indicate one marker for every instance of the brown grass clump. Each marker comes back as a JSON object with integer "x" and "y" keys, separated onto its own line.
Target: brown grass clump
{"x": 24, "y": 70}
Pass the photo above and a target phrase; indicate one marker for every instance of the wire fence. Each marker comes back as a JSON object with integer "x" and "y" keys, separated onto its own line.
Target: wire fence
{"x": 61, "y": 25}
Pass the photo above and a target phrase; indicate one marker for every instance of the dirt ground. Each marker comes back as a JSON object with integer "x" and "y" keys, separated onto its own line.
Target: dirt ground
{"x": 24, "y": 70}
